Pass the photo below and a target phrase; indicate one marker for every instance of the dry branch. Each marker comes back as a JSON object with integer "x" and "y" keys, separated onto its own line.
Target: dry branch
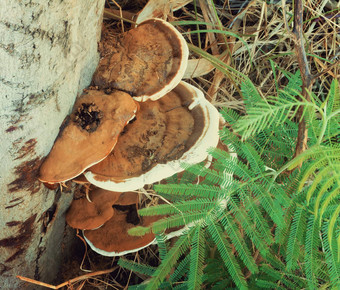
{"x": 301, "y": 143}
{"x": 69, "y": 282}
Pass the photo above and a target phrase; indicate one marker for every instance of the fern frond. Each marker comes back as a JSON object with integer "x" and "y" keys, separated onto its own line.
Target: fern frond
{"x": 311, "y": 252}
{"x": 256, "y": 215}
{"x": 248, "y": 226}
{"x": 181, "y": 270}
{"x": 176, "y": 220}
{"x": 263, "y": 284}
{"x": 215, "y": 177}
{"x": 294, "y": 83}
{"x": 333, "y": 193}
{"x": 334, "y": 218}
{"x": 199, "y": 190}
{"x": 228, "y": 258}
{"x": 251, "y": 95}
{"x": 179, "y": 248}
{"x": 332, "y": 260}
{"x": 326, "y": 172}
{"x": 162, "y": 246}
{"x": 239, "y": 244}
{"x": 199, "y": 204}
{"x": 197, "y": 255}
{"x": 296, "y": 235}
{"x": 278, "y": 276}
{"x": 272, "y": 112}
{"x": 229, "y": 115}
{"x": 136, "y": 267}
{"x": 314, "y": 152}
{"x": 322, "y": 162}
{"x": 333, "y": 98}
{"x": 256, "y": 164}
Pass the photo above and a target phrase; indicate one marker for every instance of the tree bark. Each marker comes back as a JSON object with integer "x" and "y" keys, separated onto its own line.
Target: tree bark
{"x": 48, "y": 53}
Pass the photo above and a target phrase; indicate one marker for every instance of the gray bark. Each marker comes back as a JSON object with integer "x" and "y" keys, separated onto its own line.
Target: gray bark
{"x": 48, "y": 53}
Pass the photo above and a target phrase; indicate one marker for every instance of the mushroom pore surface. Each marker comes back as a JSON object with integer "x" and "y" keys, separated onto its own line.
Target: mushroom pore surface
{"x": 88, "y": 135}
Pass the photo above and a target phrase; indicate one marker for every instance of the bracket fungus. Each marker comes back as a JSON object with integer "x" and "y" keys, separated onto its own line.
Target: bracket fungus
{"x": 147, "y": 61}
{"x": 88, "y": 135}
{"x": 86, "y": 215}
{"x": 139, "y": 134}
{"x": 112, "y": 239}
{"x": 178, "y": 128}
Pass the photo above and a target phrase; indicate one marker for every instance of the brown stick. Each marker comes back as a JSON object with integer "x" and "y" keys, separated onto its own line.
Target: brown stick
{"x": 69, "y": 282}
{"x": 301, "y": 143}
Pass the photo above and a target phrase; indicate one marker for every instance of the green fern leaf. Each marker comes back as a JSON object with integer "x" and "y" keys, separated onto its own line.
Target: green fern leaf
{"x": 199, "y": 204}
{"x": 270, "y": 112}
{"x": 323, "y": 174}
{"x": 224, "y": 249}
{"x": 278, "y": 276}
{"x": 179, "y": 248}
{"x": 229, "y": 115}
{"x": 239, "y": 244}
{"x": 334, "y": 218}
{"x": 260, "y": 222}
{"x": 263, "y": 284}
{"x": 311, "y": 252}
{"x": 249, "y": 227}
{"x": 199, "y": 190}
{"x": 333, "y": 193}
{"x": 176, "y": 220}
{"x": 136, "y": 267}
{"x": 296, "y": 235}
{"x": 162, "y": 246}
{"x": 181, "y": 270}
{"x": 251, "y": 95}
{"x": 333, "y": 98}
{"x": 332, "y": 261}
{"x": 197, "y": 255}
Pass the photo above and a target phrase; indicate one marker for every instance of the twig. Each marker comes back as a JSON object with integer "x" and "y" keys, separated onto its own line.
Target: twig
{"x": 69, "y": 282}
{"x": 301, "y": 143}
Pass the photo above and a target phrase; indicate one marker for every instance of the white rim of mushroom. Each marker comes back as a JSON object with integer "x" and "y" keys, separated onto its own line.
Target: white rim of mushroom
{"x": 196, "y": 154}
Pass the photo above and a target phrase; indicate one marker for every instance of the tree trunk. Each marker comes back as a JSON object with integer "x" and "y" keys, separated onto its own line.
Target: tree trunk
{"x": 48, "y": 53}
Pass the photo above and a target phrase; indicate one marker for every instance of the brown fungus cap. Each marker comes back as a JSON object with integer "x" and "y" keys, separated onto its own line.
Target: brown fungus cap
{"x": 112, "y": 239}
{"x": 88, "y": 135}
{"x": 177, "y": 128}
{"x": 160, "y": 133}
{"x": 127, "y": 198}
{"x": 147, "y": 61}
{"x": 86, "y": 215}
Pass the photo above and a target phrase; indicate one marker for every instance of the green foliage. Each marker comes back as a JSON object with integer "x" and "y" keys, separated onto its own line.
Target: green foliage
{"x": 264, "y": 219}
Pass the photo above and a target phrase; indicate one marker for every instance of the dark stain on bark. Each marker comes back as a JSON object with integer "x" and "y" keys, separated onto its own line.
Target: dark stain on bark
{"x": 15, "y": 255}
{"x": 4, "y": 268}
{"x": 21, "y": 241}
{"x": 16, "y": 199}
{"x": 11, "y": 129}
{"x": 13, "y": 223}
{"x": 28, "y": 149}
{"x": 27, "y": 177}
{"x": 13, "y": 205}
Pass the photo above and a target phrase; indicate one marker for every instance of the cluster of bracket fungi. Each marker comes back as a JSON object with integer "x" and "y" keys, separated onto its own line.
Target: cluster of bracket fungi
{"x": 136, "y": 128}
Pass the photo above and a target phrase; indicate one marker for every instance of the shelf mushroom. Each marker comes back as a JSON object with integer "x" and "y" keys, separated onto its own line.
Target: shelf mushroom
{"x": 85, "y": 214}
{"x": 147, "y": 61}
{"x": 88, "y": 135}
{"x": 178, "y": 128}
{"x": 112, "y": 239}
{"x": 105, "y": 218}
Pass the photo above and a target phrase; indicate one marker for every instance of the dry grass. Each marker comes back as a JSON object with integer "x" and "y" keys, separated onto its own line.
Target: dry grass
{"x": 266, "y": 31}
